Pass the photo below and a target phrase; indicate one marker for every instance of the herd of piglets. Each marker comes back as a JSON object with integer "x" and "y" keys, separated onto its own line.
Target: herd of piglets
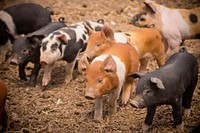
{"x": 110, "y": 61}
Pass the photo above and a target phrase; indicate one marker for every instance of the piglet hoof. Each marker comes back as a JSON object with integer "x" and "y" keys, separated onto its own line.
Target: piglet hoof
{"x": 145, "y": 127}
{"x": 186, "y": 112}
{"x": 180, "y": 128}
{"x": 124, "y": 101}
{"x": 45, "y": 82}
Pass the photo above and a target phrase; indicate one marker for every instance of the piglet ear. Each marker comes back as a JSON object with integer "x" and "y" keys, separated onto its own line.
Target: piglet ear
{"x": 62, "y": 37}
{"x": 158, "y": 82}
{"x": 107, "y": 33}
{"x": 150, "y": 5}
{"x": 109, "y": 65}
{"x": 137, "y": 74}
{"x": 89, "y": 30}
{"x": 35, "y": 40}
{"x": 83, "y": 64}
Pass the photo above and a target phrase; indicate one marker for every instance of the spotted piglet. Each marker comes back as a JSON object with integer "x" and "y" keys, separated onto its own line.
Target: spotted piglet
{"x": 65, "y": 44}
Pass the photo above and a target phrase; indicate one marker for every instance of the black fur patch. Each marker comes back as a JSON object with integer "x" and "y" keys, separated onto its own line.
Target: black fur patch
{"x": 72, "y": 50}
{"x": 54, "y": 46}
{"x": 193, "y": 18}
{"x": 89, "y": 25}
{"x": 84, "y": 37}
{"x": 197, "y": 36}
{"x": 72, "y": 26}
{"x": 71, "y": 33}
{"x": 55, "y": 33}
{"x": 4, "y": 35}
{"x": 44, "y": 45}
{"x": 85, "y": 32}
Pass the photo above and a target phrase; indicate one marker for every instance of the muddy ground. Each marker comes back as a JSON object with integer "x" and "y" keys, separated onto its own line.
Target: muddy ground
{"x": 61, "y": 108}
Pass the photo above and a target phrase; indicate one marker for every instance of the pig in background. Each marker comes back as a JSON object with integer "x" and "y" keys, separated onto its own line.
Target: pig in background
{"x": 27, "y": 49}
{"x": 172, "y": 84}
{"x": 65, "y": 44}
{"x": 3, "y": 114}
{"x": 175, "y": 25}
{"x": 20, "y": 19}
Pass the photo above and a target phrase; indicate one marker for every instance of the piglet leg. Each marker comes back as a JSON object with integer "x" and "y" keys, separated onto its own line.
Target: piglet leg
{"x": 69, "y": 71}
{"x": 47, "y": 74}
{"x": 177, "y": 114}
{"x": 149, "y": 118}
{"x": 98, "y": 109}
{"x": 112, "y": 108}
{"x": 22, "y": 73}
{"x": 34, "y": 74}
{"x": 126, "y": 91}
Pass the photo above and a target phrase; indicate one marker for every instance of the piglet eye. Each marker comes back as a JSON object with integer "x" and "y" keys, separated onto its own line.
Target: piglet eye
{"x": 147, "y": 91}
{"x": 142, "y": 19}
{"x": 98, "y": 44}
{"x": 25, "y": 51}
{"x": 99, "y": 80}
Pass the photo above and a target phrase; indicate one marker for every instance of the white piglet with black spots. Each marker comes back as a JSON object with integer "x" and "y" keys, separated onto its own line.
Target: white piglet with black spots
{"x": 65, "y": 44}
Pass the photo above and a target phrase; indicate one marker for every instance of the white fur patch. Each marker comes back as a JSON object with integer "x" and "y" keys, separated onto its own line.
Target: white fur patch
{"x": 121, "y": 70}
{"x": 79, "y": 30}
{"x": 120, "y": 38}
{"x": 9, "y": 21}
{"x": 173, "y": 24}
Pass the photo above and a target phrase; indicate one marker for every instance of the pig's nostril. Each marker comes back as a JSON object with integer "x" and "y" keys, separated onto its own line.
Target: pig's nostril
{"x": 43, "y": 63}
{"x": 89, "y": 98}
{"x": 13, "y": 62}
{"x": 89, "y": 60}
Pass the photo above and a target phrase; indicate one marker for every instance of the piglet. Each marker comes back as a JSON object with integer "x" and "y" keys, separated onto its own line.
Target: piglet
{"x": 27, "y": 49}
{"x": 107, "y": 74}
{"x": 19, "y": 19}
{"x": 28, "y": 17}
{"x": 3, "y": 114}
{"x": 172, "y": 84}
{"x": 65, "y": 44}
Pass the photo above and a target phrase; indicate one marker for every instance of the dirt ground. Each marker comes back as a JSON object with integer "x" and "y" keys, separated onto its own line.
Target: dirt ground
{"x": 61, "y": 108}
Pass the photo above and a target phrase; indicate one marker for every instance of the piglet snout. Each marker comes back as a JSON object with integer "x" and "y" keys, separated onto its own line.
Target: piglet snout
{"x": 89, "y": 96}
{"x": 134, "y": 103}
{"x": 14, "y": 61}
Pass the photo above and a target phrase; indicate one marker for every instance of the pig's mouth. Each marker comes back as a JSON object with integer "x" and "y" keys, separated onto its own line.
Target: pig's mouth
{"x": 44, "y": 63}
